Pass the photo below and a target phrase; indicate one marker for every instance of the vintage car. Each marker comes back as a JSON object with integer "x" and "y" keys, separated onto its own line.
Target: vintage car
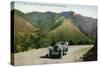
{"x": 58, "y": 50}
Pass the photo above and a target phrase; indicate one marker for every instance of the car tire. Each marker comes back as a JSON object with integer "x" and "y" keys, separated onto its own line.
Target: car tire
{"x": 60, "y": 54}
{"x": 67, "y": 49}
{"x": 49, "y": 53}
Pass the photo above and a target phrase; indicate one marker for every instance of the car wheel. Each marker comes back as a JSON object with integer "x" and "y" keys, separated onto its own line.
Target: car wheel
{"x": 60, "y": 54}
{"x": 67, "y": 49}
{"x": 49, "y": 53}
{"x": 64, "y": 52}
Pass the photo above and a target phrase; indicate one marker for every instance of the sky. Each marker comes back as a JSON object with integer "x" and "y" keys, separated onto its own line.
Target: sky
{"x": 90, "y": 11}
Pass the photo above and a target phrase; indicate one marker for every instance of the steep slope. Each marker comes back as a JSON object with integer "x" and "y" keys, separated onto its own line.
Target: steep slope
{"x": 59, "y": 25}
{"x": 47, "y": 20}
{"x": 21, "y": 25}
{"x": 68, "y": 31}
{"x": 87, "y": 25}
{"x": 24, "y": 32}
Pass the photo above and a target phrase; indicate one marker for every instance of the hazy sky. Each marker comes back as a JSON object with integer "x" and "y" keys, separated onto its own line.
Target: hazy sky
{"x": 90, "y": 11}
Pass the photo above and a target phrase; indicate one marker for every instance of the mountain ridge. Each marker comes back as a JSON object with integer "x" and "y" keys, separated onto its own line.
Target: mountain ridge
{"x": 36, "y": 30}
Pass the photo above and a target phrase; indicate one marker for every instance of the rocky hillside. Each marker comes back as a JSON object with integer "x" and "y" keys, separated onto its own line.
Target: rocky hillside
{"x": 38, "y": 29}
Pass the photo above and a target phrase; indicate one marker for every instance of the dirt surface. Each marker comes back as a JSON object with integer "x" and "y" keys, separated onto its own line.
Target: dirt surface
{"x": 37, "y": 56}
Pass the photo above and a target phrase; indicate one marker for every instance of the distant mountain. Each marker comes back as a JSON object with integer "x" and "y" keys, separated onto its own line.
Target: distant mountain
{"x": 50, "y": 20}
{"x": 47, "y": 21}
{"x": 67, "y": 14}
{"x": 87, "y": 25}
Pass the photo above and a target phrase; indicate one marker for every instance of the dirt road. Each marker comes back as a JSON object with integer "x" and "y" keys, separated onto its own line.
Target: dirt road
{"x": 37, "y": 56}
